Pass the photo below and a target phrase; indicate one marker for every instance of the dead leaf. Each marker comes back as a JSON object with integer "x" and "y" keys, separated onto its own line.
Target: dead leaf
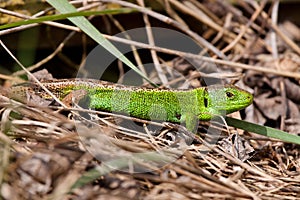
{"x": 237, "y": 146}
{"x": 270, "y": 107}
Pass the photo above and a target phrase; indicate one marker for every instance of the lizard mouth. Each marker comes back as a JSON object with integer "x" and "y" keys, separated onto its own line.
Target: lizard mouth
{"x": 231, "y": 108}
{"x": 238, "y": 106}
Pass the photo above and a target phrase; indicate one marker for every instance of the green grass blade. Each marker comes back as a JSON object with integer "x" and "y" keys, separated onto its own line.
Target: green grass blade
{"x": 263, "y": 130}
{"x": 119, "y": 163}
{"x": 65, "y": 16}
{"x": 64, "y": 6}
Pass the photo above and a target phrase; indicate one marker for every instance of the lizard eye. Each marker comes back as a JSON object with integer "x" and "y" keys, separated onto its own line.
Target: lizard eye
{"x": 229, "y": 94}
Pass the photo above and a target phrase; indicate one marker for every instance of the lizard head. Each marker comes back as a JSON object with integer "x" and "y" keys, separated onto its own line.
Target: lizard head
{"x": 221, "y": 100}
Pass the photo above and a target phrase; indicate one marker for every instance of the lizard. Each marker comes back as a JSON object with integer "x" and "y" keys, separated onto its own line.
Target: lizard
{"x": 172, "y": 105}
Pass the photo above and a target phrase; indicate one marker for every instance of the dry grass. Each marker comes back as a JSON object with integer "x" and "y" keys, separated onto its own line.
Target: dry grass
{"x": 45, "y": 151}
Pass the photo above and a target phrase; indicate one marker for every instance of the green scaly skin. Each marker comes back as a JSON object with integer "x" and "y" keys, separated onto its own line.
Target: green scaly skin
{"x": 177, "y": 106}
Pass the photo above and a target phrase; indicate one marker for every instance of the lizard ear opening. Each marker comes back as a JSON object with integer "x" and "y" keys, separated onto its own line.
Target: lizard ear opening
{"x": 205, "y": 102}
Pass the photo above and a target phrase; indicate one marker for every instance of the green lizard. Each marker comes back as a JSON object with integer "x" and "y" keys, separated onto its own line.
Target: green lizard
{"x": 171, "y": 105}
